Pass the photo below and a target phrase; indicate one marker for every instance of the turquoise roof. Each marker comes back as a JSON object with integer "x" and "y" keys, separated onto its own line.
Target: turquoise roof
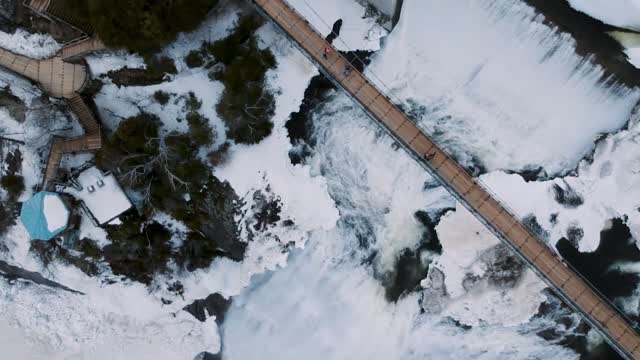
{"x": 34, "y": 218}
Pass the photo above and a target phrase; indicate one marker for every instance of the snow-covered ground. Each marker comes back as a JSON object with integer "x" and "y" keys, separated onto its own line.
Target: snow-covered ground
{"x": 357, "y": 32}
{"x": 114, "y": 318}
{"x": 127, "y": 314}
{"x": 37, "y": 46}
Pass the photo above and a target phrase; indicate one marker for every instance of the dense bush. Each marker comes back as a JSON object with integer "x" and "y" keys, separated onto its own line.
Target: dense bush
{"x": 246, "y": 105}
{"x": 14, "y": 184}
{"x": 162, "y": 97}
{"x": 194, "y": 59}
{"x": 167, "y": 172}
{"x": 140, "y": 25}
{"x": 197, "y": 252}
{"x": 48, "y": 251}
{"x": 138, "y": 250}
{"x": 200, "y": 130}
{"x": 247, "y": 113}
{"x": 8, "y": 214}
{"x": 219, "y": 156}
{"x": 158, "y": 67}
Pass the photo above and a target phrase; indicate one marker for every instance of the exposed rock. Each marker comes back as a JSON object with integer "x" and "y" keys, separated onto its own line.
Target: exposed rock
{"x": 266, "y": 210}
{"x": 13, "y": 104}
{"x": 504, "y": 268}
{"x": 13, "y": 273}
{"x": 9, "y": 205}
{"x": 531, "y": 174}
{"x": 574, "y": 235}
{"x": 470, "y": 281}
{"x": 135, "y": 77}
{"x": 158, "y": 68}
{"x": 557, "y": 323}
{"x": 598, "y": 267}
{"x": 300, "y": 124}
{"x": 214, "y": 305}
{"x": 412, "y": 265}
{"x": 335, "y": 31}
{"x": 567, "y": 196}
{"x": 531, "y": 222}
{"x": 209, "y": 356}
{"x": 434, "y": 291}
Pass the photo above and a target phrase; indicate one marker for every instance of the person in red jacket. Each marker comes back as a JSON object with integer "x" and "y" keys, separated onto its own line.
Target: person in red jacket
{"x": 327, "y": 50}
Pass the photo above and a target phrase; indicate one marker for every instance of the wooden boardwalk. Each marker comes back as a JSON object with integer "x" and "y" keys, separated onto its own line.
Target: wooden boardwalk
{"x": 77, "y": 48}
{"x": 60, "y": 78}
{"x": 90, "y": 141}
{"x": 566, "y": 282}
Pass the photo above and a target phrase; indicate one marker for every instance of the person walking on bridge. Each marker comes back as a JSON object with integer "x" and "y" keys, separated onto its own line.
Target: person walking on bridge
{"x": 327, "y": 50}
{"x": 347, "y": 70}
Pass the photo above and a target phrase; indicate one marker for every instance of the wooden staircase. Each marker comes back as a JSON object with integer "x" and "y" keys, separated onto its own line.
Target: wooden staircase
{"x": 53, "y": 9}
{"x": 90, "y": 141}
{"x": 38, "y": 5}
{"x": 85, "y": 115}
{"x": 80, "y": 47}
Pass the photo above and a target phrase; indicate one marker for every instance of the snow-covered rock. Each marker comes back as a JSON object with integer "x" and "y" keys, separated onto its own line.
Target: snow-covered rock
{"x": 55, "y": 212}
{"x": 620, "y": 13}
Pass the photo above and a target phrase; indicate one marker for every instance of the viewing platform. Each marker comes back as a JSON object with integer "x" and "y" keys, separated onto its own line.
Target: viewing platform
{"x": 54, "y": 76}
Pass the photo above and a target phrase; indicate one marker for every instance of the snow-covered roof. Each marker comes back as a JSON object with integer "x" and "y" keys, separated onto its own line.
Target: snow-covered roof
{"x": 44, "y": 215}
{"x": 102, "y": 195}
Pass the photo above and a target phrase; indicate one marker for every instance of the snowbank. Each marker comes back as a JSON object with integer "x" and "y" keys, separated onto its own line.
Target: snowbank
{"x": 105, "y": 62}
{"x": 115, "y": 322}
{"x": 620, "y": 13}
{"x": 609, "y": 187}
{"x": 38, "y": 46}
{"x": 464, "y": 241}
{"x": 497, "y": 87}
{"x": 358, "y": 32}
{"x": 55, "y": 212}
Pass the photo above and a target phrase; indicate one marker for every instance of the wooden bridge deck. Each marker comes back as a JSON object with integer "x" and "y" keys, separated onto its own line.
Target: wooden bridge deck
{"x": 567, "y": 283}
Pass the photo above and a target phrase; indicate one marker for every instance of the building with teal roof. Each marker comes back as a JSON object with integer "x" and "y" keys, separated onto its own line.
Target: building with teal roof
{"x": 44, "y": 215}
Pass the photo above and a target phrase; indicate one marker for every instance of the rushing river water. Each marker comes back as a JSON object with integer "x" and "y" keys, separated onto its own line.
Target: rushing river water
{"x": 501, "y": 91}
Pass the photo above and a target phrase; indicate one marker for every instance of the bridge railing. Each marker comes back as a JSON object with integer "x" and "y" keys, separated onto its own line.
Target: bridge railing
{"x": 382, "y": 87}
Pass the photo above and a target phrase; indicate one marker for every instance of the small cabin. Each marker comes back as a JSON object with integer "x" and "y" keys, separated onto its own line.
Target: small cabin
{"x": 100, "y": 194}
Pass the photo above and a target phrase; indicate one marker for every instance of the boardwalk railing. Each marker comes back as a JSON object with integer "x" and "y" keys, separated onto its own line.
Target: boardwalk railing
{"x": 51, "y": 10}
{"x": 81, "y": 46}
{"x": 567, "y": 282}
{"x": 90, "y": 141}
